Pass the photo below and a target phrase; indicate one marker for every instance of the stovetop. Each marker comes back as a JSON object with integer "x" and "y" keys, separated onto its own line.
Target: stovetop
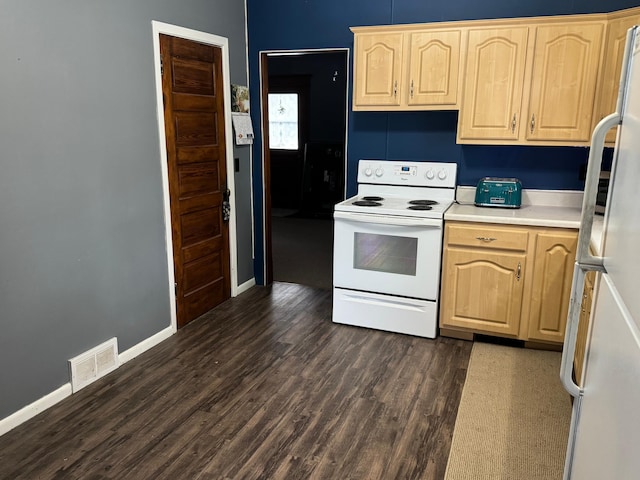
{"x": 420, "y": 206}
{"x": 409, "y": 189}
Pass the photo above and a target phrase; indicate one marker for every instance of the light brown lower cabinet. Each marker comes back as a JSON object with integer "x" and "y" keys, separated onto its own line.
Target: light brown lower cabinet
{"x": 583, "y": 326}
{"x": 506, "y": 281}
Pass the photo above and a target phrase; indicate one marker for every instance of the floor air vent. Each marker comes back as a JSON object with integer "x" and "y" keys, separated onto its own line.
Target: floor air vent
{"x": 93, "y": 364}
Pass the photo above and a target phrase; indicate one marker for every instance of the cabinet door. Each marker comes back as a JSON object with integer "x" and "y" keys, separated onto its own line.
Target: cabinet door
{"x": 377, "y": 72}
{"x": 493, "y": 84}
{"x": 612, "y": 66}
{"x": 482, "y": 290}
{"x": 583, "y": 327}
{"x": 563, "y": 82}
{"x": 554, "y": 257}
{"x": 433, "y": 68}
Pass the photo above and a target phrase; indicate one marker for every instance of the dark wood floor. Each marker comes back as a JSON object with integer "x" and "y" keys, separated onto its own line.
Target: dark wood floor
{"x": 262, "y": 387}
{"x": 292, "y": 240}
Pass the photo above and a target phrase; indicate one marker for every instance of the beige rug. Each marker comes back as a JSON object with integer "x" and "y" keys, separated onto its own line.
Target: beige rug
{"x": 513, "y": 419}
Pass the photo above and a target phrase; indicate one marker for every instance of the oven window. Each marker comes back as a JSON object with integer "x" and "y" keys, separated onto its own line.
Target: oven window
{"x": 385, "y": 253}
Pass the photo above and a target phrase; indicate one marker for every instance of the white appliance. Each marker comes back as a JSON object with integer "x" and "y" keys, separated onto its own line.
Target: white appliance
{"x": 388, "y": 245}
{"x": 604, "y": 441}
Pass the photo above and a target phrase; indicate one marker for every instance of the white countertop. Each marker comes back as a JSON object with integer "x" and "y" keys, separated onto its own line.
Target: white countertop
{"x": 540, "y": 208}
{"x": 532, "y": 215}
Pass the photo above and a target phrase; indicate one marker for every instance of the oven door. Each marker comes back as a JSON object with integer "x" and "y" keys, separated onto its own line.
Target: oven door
{"x": 387, "y": 254}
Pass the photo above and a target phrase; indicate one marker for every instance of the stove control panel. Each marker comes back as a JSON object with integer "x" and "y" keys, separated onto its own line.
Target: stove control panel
{"x": 417, "y": 174}
{"x": 405, "y": 170}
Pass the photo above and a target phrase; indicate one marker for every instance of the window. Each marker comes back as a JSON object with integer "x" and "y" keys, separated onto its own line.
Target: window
{"x": 283, "y": 121}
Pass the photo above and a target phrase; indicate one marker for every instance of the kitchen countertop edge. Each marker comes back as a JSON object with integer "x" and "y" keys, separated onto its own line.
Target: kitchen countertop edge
{"x": 526, "y": 215}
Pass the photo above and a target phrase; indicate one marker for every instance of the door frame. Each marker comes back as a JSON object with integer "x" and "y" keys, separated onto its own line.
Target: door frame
{"x": 159, "y": 28}
{"x": 267, "y": 260}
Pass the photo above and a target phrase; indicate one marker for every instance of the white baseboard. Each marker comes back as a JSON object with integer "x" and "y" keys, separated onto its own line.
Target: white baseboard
{"x": 246, "y": 285}
{"x": 33, "y": 409}
{"x": 49, "y": 400}
{"x": 145, "y": 345}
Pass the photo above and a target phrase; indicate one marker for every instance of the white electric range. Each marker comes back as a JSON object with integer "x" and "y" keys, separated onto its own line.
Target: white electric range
{"x": 388, "y": 245}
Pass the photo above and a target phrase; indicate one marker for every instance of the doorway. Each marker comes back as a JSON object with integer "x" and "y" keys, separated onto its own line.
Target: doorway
{"x": 304, "y": 99}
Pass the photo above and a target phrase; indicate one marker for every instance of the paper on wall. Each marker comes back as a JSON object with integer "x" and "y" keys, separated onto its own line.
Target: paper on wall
{"x": 243, "y": 128}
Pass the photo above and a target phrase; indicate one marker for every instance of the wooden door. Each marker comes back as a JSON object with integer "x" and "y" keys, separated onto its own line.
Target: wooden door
{"x": 434, "y": 58}
{"x": 377, "y": 65}
{"x": 563, "y": 82}
{"x": 612, "y": 67}
{"x": 192, "y": 89}
{"x": 554, "y": 258}
{"x": 493, "y": 88}
{"x": 482, "y": 290}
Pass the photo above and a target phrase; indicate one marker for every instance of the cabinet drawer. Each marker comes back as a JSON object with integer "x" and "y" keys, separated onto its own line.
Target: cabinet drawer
{"x": 491, "y": 236}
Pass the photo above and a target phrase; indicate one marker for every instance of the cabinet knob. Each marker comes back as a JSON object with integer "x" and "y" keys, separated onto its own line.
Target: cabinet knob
{"x": 513, "y": 124}
{"x": 395, "y": 88}
{"x": 518, "y": 271}
{"x": 411, "y": 89}
{"x": 533, "y": 122}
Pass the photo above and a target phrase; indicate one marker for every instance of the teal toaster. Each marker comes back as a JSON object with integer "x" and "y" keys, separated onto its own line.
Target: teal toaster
{"x": 498, "y": 192}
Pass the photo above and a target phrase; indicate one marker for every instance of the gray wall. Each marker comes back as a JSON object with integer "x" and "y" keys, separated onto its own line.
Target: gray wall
{"x": 82, "y": 250}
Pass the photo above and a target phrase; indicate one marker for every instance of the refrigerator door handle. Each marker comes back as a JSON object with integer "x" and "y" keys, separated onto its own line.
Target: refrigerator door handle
{"x": 571, "y": 333}
{"x": 583, "y": 255}
{"x": 571, "y": 330}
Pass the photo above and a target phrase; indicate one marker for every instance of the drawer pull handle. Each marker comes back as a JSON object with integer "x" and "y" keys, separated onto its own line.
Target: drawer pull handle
{"x": 486, "y": 239}
{"x": 518, "y": 271}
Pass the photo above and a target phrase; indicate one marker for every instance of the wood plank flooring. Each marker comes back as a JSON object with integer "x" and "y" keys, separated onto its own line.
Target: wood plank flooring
{"x": 265, "y": 386}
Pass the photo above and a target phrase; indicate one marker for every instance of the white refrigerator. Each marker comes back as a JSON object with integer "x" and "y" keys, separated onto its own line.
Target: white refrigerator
{"x": 604, "y": 441}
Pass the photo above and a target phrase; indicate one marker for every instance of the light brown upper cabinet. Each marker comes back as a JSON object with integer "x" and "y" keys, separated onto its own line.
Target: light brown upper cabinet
{"x": 531, "y": 84}
{"x": 434, "y": 58}
{"x": 493, "y": 84}
{"x": 516, "y": 81}
{"x": 563, "y": 82}
{"x": 612, "y": 65}
{"x": 412, "y": 70}
{"x": 377, "y": 69}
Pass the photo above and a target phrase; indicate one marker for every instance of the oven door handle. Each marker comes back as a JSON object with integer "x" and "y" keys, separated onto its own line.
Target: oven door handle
{"x": 389, "y": 220}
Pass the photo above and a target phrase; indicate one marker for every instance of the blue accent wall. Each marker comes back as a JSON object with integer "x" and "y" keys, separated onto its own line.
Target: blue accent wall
{"x": 294, "y": 24}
